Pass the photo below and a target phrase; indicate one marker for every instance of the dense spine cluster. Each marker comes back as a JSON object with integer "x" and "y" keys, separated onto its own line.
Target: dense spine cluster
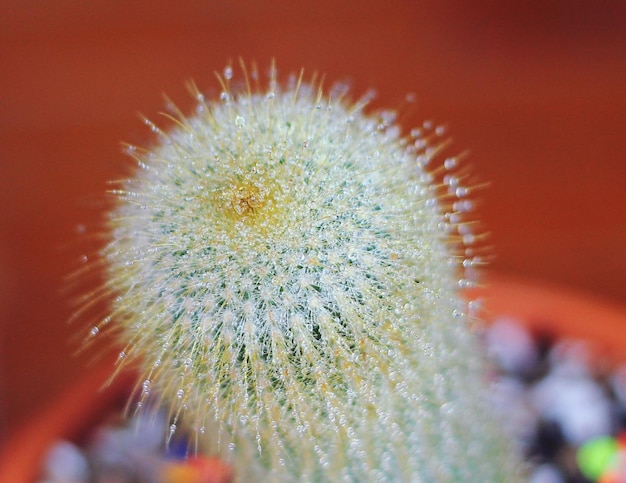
{"x": 286, "y": 268}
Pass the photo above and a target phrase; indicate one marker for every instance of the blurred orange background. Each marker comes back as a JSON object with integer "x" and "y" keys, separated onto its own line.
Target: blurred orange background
{"x": 535, "y": 90}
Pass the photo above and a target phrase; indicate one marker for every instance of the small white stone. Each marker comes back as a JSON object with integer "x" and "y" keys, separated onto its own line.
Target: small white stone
{"x": 511, "y": 345}
{"x": 572, "y": 358}
{"x": 65, "y": 463}
{"x": 576, "y": 403}
{"x": 144, "y": 435}
{"x": 546, "y": 473}
{"x": 132, "y": 450}
{"x": 147, "y": 430}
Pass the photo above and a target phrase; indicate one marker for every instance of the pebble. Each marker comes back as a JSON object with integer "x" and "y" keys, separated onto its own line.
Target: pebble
{"x": 65, "y": 463}
{"x": 577, "y": 404}
{"x": 546, "y": 473}
{"x": 511, "y": 347}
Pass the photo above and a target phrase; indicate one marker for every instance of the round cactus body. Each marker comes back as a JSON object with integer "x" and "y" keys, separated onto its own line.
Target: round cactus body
{"x": 286, "y": 270}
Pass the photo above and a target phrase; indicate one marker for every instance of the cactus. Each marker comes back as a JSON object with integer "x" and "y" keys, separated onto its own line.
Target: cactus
{"x": 286, "y": 271}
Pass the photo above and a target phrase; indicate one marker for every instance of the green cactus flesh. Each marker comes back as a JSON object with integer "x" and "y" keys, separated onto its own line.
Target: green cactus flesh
{"x": 286, "y": 270}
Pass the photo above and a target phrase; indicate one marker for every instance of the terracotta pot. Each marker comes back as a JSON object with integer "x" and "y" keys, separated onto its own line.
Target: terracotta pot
{"x": 544, "y": 308}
